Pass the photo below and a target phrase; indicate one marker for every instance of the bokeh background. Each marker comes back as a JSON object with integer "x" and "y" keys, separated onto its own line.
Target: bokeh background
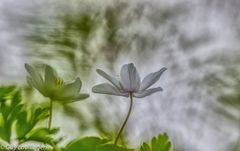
{"x": 198, "y": 41}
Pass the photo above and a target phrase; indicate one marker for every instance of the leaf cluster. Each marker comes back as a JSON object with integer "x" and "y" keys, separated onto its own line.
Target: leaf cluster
{"x": 18, "y": 123}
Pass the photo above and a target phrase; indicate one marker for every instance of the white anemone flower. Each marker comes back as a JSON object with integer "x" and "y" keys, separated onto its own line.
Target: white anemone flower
{"x": 129, "y": 85}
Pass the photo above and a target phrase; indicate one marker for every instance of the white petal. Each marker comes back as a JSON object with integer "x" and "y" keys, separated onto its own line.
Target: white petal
{"x": 147, "y": 92}
{"x": 36, "y": 77}
{"x": 111, "y": 79}
{"x": 70, "y": 90}
{"x": 106, "y": 88}
{"x": 152, "y": 78}
{"x": 50, "y": 76}
{"x": 79, "y": 97}
{"x": 33, "y": 83}
{"x": 130, "y": 78}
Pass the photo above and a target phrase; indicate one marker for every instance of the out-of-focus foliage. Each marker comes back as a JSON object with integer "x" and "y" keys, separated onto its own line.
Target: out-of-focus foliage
{"x": 226, "y": 86}
{"x": 158, "y": 143}
{"x": 9, "y": 112}
{"x": 18, "y": 122}
{"x": 70, "y": 35}
{"x": 93, "y": 144}
{"x": 79, "y": 36}
{"x": 87, "y": 144}
{"x": 112, "y": 147}
{"x": 235, "y": 146}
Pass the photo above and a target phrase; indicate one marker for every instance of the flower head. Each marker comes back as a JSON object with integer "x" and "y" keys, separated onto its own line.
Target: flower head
{"x": 53, "y": 87}
{"x": 130, "y": 82}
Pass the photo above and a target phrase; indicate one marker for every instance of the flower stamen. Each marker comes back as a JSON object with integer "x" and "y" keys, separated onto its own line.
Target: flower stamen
{"x": 59, "y": 81}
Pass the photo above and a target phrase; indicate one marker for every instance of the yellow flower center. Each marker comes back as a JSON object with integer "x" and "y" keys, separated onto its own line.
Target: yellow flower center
{"x": 59, "y": 81}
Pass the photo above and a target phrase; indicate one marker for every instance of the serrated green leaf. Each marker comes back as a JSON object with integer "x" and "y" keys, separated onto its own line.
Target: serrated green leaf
{"x": 43, "y": 135}
{"x": 27, "y": 120}
{"x": 85, "y": 144}
{"x": 22, "y": 127}
{"x": 16, "y": 117}
{"x": 111, "y": 147}
{"x": 145, "y": 147}
{"x": 158, "y": 143}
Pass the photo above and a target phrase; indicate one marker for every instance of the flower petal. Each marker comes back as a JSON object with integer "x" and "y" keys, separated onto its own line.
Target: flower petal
{"x": 36, "y": 78}
{"x": 80, "y": 97}
{"x": 130, "y": 78}
{"x": 50, "y": 76}
{"x": 111, "y": 79}
{"x": 106, "y": 88}
{"x": 150, "y": 79}
{"x": 30, "y": 82}
{"x": 147, "y": 92}
{"x": 70, "y": 90}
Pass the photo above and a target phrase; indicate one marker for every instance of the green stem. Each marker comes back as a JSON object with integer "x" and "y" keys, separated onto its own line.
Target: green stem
{"x": 50, "y": 115}
{"x": 127, "y": 117}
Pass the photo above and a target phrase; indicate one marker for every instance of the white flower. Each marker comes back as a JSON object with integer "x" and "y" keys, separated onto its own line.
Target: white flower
{"x": 50, "y": 85}
{"x": 129, "y": 83}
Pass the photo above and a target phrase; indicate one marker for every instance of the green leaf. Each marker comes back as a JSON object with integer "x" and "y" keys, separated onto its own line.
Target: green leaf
{"x": 85, "y": 144}
{"x": 22, "y": 127}
{"x": 9, "y": 109}
{"x": 27, "y": 120}
{"x": 4, "y": 91}
{"x": 43, "y": 135}
{"x": 159, "y": 143}
{"x": 16, "y": 117}
{"x": 145, "y": 147}
{"x": 111, "y": 147}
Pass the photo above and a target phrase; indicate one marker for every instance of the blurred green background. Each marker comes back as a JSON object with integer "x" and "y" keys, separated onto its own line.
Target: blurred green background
{"x": 198, "y": 41}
